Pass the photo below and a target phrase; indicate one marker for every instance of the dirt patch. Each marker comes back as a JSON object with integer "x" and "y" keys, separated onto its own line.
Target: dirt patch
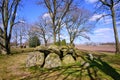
{"x": 99, "y": 48}
{"x": 13, "y": 67}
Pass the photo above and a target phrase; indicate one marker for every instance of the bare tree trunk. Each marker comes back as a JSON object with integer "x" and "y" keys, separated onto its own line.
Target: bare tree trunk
{"x": 71, "y": 41}
{"x": 8, "y": 13}
{"x": 54, "y": 33}
{"x": 21, "y": 41}
{"x": 115, "y": 31}
{"x": 16, "y": 43}
{"x": 7, "y": 46}
{"x": 59, "y": 37}
{"x": 7, "y": 43}
{"x": 45, "y": 42}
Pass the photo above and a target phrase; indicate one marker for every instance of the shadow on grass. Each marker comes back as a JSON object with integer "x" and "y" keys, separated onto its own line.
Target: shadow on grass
{"x": 88, "y": 69}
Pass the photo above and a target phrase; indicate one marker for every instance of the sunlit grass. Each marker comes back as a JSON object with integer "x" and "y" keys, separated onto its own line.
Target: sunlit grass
{"x": 21, "y": 50}
{"x": 13, "y": 66}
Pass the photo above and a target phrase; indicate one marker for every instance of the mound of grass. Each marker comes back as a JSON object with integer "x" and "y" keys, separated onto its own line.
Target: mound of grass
{"x": 113, "y": 59}
{"x": 21, "y": 50}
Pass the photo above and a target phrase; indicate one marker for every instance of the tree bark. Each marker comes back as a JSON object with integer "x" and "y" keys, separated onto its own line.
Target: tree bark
{"x": 8, "y": 13}
{"x": 59, "y": 36}
{"x": 115, "y": 31}
{"x": 71, "y": 41}
{"x": 7, "y": 46}
{"x": 54, "y": 33}
{"x": 45, "y": 42}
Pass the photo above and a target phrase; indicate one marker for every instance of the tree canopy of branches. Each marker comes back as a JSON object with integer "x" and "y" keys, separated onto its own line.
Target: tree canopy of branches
{"x": 76, "y": 24}
{"x": 19, "y": 33}
{"x": 8, "y": 9}
{"x": 57, "y": 9}
{"x": 43, "y": 29}
{"x": 111, "y": 7}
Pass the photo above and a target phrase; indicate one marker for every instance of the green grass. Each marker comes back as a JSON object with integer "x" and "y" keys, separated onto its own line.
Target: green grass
{"x": 74, "y": 72}
{"x": 113, "y": 59}
{"x": 21, "y": 50}
{"x": 13, "y": 67}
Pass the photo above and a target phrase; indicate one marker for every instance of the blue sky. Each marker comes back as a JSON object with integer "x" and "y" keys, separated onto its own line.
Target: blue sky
{"x": 103, "y": 31}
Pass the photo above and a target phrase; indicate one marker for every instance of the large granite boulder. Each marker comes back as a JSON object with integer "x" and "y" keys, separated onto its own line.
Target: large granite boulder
{"x": 53, "y": 47}
{"x": 68, "y": 59}
{"x": 34, "y": 58}
{"x": 40, "y": 48}
{"x": 52, "y": 60}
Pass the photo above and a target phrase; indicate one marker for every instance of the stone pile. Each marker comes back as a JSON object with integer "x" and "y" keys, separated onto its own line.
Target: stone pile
{"x": 51, "y": 56}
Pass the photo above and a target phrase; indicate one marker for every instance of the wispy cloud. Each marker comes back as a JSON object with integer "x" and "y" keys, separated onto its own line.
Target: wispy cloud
{"x": 95, "y": 17}
{"x": 108, "y": 20}
{"x": 46, "y": 15}
{"x": 102, "y": 30}
{"x": 118, "y": 22}
{"x": 103, "y": 35}
{"x": 91, "y": 1}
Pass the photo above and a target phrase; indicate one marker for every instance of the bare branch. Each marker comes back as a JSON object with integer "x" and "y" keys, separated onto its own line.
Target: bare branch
{"x": 10, "y": 10}
{"x": 13, "y": 18}
{"x": 116, "y": 2}
{"x": 103, "y": 17}
{"x": 105, "y": 3}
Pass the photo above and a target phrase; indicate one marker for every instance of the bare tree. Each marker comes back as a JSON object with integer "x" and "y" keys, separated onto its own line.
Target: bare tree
{"x": 110, "y": 7}
{"x": 20, "y": 32}
{"x": 8, "y": 11}
{"x": 76, "y": 24}
{"x": 44, "y": 29}
{"x": 54, "y": 7}
{"x": 15, "y": 36}
{"x": 1, "y": 40}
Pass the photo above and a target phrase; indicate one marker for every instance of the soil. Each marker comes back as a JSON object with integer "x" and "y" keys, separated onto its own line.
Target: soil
{"x": 98, "y": 48}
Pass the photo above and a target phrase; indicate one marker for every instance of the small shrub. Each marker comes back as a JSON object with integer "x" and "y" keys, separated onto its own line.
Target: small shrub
{"x": 34, "y": 41}
{"x": 57, "y": 43}
{"x": 61, "y": 43}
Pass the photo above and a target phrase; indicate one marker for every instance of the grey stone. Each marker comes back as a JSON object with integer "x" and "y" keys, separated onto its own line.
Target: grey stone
{"x": 53, "y": 48}
{"x": 3, "y": 52}
{"x": 40, "y": 48}
{"x": 40, "y": 58}
{"x": 68, "y": 59}
{"x": 31, "y": 60}
{"x": 52, "y": 60}
{"x": 34, "y": 58}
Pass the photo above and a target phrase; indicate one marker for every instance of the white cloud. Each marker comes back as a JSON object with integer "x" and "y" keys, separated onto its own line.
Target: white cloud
{"x": 22, "y": 21}
{"x": 99, "y": 34}
{"x": 46, "y": 15}
{"x": 108, "y": 20}
{"x": 91, "y": 1}
{"x": 103, "y": 35}
{"x": 118, "y": 22}
{"x": 102, "y": 30}
{"x": 95, "y": 17}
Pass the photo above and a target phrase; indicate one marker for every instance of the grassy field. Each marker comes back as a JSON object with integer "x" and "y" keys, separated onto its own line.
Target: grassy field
{"x": 13, "y": 66}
